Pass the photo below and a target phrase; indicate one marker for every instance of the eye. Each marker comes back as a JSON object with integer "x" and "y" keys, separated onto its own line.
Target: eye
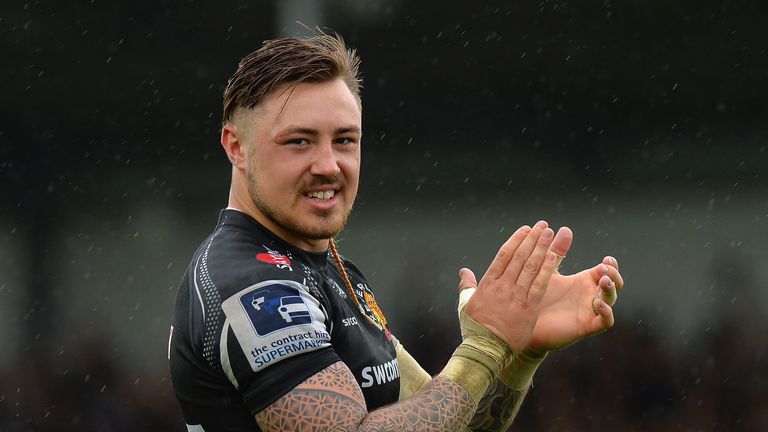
{"x": 344, "y": 140}
{"x": 297, "y": 141}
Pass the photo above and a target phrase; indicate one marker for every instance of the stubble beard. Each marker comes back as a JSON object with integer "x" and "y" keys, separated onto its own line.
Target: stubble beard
{"x": 289, "y": 223}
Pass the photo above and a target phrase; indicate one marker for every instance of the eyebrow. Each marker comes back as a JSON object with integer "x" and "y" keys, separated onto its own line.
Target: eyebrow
{"x": 309, "y": 131}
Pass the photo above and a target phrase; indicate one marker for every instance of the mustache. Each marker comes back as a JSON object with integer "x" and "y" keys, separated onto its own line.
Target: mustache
{"x": 317, "y": 180}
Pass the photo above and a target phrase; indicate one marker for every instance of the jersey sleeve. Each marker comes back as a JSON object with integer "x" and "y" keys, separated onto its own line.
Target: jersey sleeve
{"x": 275, "y": 336}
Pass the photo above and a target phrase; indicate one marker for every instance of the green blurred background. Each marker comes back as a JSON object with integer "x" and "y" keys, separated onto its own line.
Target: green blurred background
{"x": 641, "y": 125}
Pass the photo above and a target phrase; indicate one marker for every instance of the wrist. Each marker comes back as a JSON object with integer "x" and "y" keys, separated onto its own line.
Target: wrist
{"x": 519, "y": 371}
{"x": 533, "y": 355}
{"x": 478, "y": 360}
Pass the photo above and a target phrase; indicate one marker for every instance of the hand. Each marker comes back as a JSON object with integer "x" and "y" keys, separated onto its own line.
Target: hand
{"x": 575, "y": 306}
{"x": 571, "y": 307}
{"x": 508, "y": 298}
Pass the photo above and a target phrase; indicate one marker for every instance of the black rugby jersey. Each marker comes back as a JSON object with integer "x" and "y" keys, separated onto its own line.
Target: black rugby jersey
{"x": 256, "y": 316}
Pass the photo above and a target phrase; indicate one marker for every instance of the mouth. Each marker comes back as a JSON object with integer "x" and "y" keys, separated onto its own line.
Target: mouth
{"x": 321, "y": 195}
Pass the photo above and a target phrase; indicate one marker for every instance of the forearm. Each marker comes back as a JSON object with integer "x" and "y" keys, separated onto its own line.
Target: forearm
{"x": 495, "y": 412}
{"x": 498, "y": 408}
{"x": 499, "y": 405}
{"x": 443, "y": 405}
{"x": 450, "y": 399}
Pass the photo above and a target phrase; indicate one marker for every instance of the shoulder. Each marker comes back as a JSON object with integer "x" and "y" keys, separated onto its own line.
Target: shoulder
{"x": 260, "y": 293}
{"x": 233, "y": 272}
{"x": 234, "y": 259}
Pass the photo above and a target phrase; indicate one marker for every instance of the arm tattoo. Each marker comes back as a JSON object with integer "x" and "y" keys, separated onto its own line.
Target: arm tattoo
{"x": 331, "y": 400}
{"x": 497, "y": 408}
{"x": 442, "y": 406}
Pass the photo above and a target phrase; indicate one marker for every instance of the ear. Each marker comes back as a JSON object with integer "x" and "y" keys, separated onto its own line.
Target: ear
{"x": 233, "y": 144}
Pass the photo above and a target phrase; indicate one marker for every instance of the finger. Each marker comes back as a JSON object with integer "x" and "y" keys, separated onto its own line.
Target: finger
{"x": 604, "y": 319}
{"x": 533, "y": 264}
{"x": 504, "y": 255}
{"x": 612, "y": 272}
{"x": 523, "y": 252}
{"x": 611, "y": 261}
{"x": 607, "y": 290}
{"x": 467, "y": 279}
{"x": 540, "y": 284}
{"x": 562, "y": 244}
{"x": 467, "y": 286}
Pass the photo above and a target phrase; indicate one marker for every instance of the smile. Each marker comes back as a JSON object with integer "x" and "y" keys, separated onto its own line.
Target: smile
{"x": 321, "y": 195}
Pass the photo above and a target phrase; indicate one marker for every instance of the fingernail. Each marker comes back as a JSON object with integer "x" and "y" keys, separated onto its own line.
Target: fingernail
{"x": 525, "y": 228}
{"x": 547, "y": 233}
{"x": 604, "y": 268}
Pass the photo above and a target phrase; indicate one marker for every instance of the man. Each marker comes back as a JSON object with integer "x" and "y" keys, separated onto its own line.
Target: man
{"x": 274, "y": 331}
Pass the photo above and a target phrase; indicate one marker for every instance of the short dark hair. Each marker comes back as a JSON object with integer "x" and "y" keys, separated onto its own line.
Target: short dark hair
{"x": 319, "y": 58}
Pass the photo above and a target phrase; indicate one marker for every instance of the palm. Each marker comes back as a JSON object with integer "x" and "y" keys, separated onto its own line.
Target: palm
{"x": 566, "y": 311}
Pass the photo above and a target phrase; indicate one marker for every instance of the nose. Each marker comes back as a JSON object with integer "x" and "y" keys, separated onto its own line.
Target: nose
{"x": 325, "y": 161}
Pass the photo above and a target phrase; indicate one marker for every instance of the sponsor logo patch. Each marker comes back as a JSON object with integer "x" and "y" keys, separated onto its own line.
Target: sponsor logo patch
{"x": 275, "y": 320}
{"x": 380, "y": 374}
{"x": 275, "y": 258}
{"x": 275, "y": 307}
{"x": 371, "y": 306}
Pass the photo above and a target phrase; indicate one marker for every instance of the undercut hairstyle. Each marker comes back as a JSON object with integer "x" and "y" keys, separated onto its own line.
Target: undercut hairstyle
{"x": 320, "y": 58}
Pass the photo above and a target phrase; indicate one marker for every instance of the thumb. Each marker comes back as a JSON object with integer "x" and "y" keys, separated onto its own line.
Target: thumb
{"x": 467, "y": 279}
{"x": 561, "y": 244}
{"x": 465, "y": 293}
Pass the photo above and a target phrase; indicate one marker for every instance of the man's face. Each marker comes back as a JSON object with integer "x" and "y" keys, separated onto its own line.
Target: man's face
{"x": 303, "y": 160}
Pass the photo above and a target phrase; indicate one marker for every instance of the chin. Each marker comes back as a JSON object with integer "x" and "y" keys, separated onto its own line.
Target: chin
{"x": 321, "y": 233}
{"x": 322, "y": 229}
{"x": 310, "y": 225}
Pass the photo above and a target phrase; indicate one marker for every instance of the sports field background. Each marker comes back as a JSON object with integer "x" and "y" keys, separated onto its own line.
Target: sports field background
{"x": 641, "y": 125}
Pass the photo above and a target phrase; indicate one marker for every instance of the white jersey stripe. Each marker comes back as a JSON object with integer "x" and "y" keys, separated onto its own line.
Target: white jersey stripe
{"x": 224, "y": 354}
{"x": 197, "y": 288}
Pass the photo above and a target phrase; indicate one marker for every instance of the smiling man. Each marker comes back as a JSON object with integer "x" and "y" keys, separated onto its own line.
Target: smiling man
{"x": 275, "y": 331}
{"x": 298, "y": 153}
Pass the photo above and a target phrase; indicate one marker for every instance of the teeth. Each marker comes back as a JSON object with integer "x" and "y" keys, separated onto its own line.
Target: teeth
{"x": 323, "y": 195}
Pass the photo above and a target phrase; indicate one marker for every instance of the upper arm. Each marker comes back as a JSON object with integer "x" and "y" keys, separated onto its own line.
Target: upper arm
{"x": 412, "y": 376}
{"x": 328, "y": 400}
{"x": 275, "y": 336}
